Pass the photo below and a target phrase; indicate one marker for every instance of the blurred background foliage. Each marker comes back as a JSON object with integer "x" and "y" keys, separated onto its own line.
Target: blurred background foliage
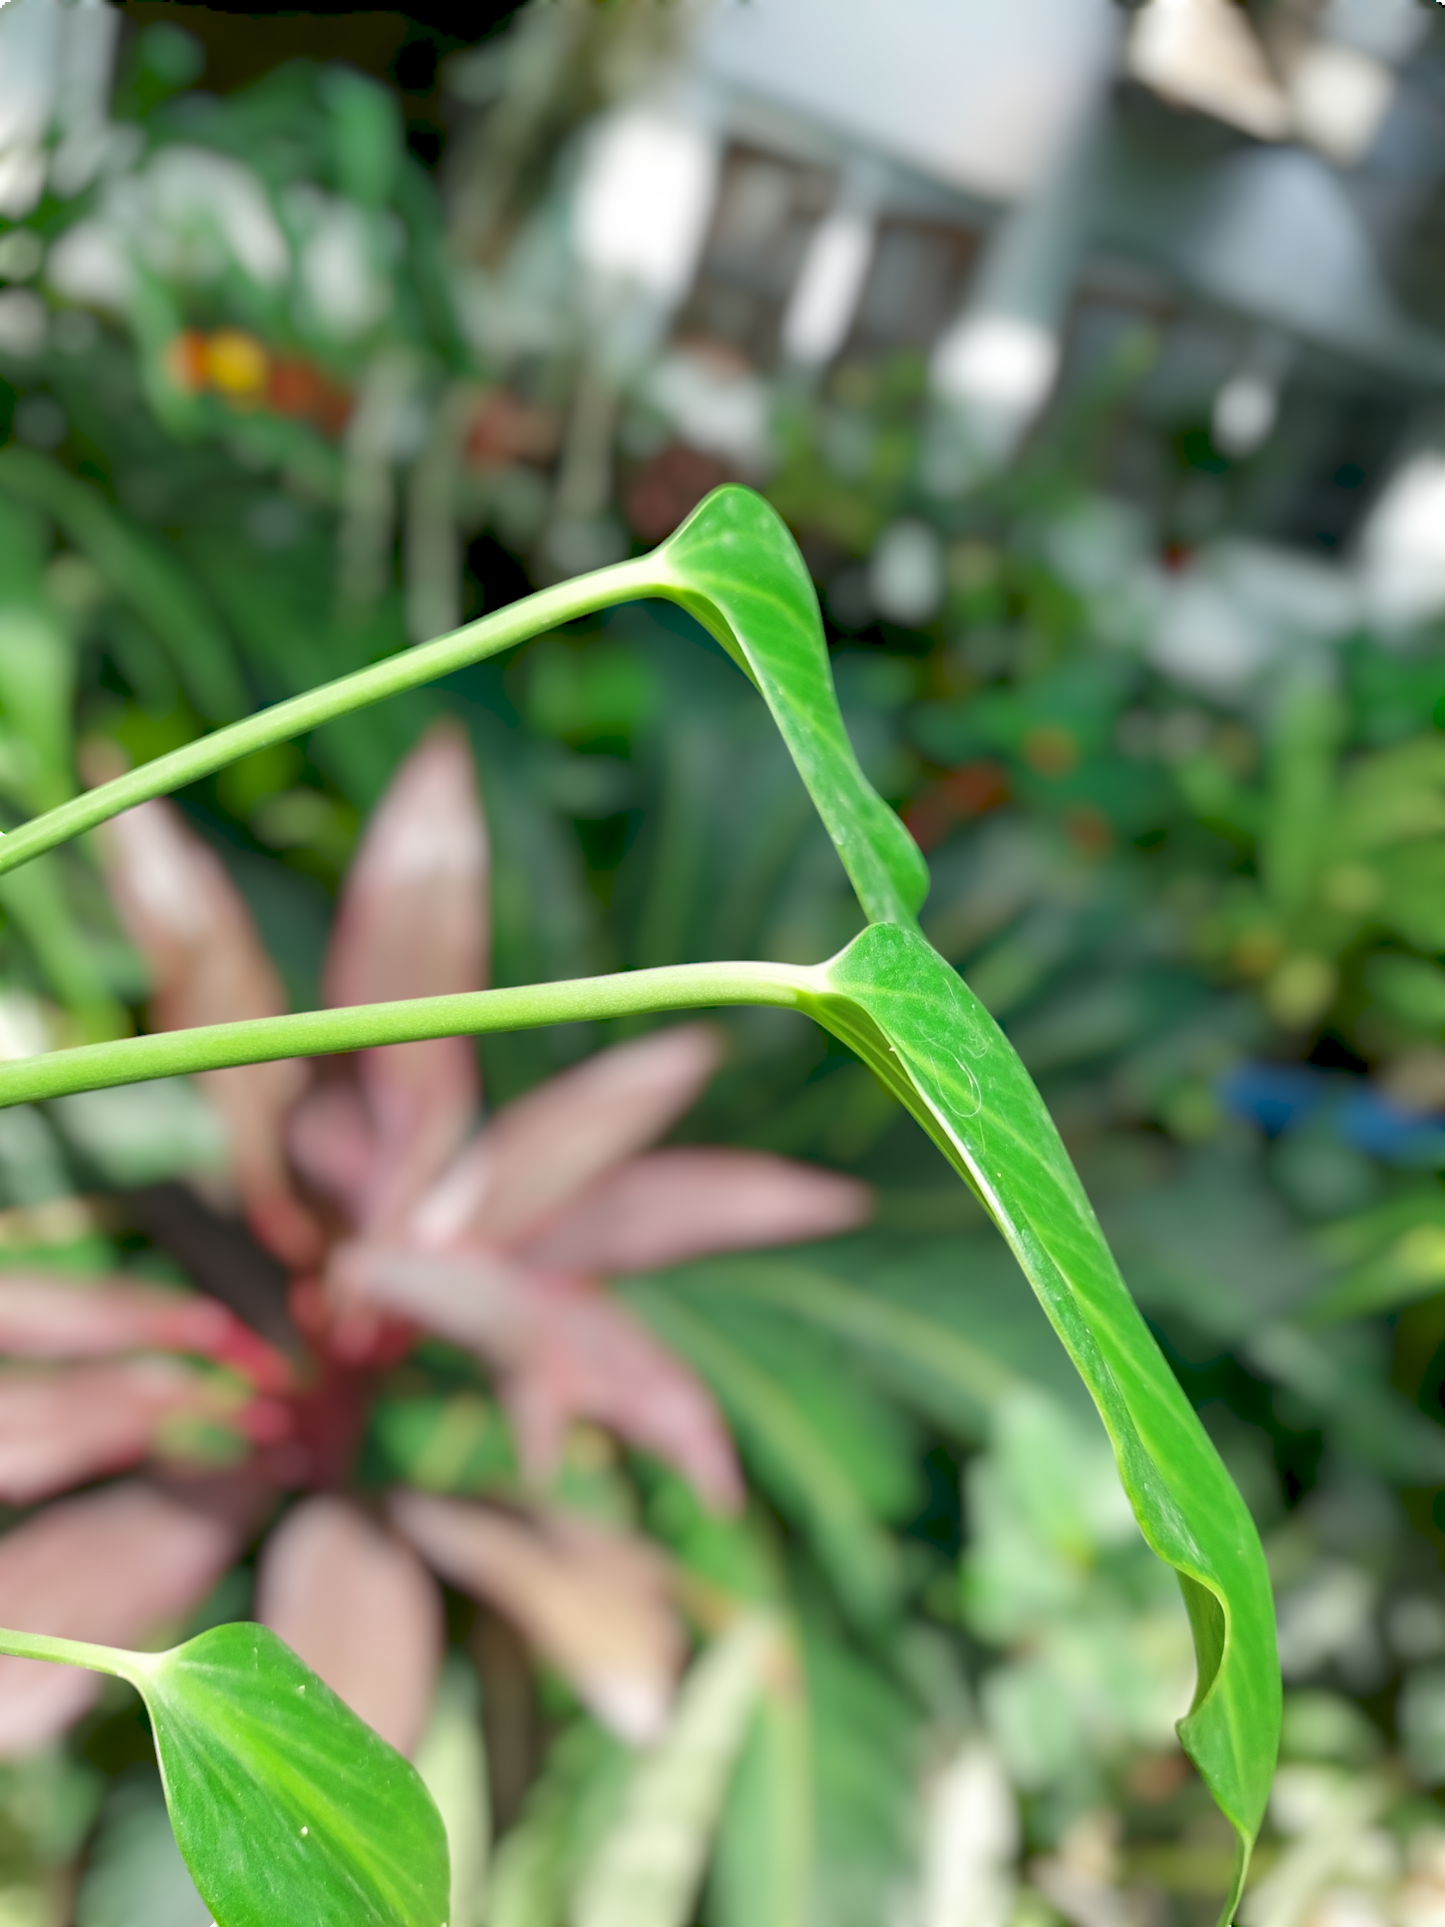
{"x": 319, "y": 336}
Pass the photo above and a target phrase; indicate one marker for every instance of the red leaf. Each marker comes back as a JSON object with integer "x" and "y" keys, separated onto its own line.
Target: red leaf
{"x": 111, "y": 1567}
{"x": 61, "y": 1317}
{"x": 60, "y": 1428}
{"x": 564, "y": 1349}
{"x": 669, "y": 1206}
{"x": 353, "y": 1600}
{"x": 208, "y": 966}
{"x": 413, "y": 923}
{"x": 546, "y": 1147}
{"x": 595, "y": 1602}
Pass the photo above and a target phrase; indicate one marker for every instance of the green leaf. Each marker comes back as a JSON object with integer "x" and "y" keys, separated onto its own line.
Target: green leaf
{"x": 1393, "y": 1256}
{"x": 452, "y": 1760}
{"x": 651, "y": 1863}
{"x": 569, "y": 1811}
{"x": 867, "y": 1741}
{"x": 943, "y": 1372}
{"x": 763, "y": 1858}
{"x": 38, "y": 906}
{"x": 912, "y": 1018}
{"x": 734, "y": 566}
{"x": 789, "y": 1454}
{"x": 287, "y": 1807}
{"x": 132, "y": 1869}
{"x": 37, "y": 694}
{"x": 139, "y": 572}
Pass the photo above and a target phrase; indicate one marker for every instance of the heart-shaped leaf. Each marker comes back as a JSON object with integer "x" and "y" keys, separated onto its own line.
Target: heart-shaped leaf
{"x": 286, "y": 1807}
{"x": 734, "y": 566}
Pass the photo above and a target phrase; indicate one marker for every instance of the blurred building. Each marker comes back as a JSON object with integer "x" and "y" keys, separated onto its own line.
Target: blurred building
{"x": 1230, "y": 213}
{"x": 1212, "y": 228}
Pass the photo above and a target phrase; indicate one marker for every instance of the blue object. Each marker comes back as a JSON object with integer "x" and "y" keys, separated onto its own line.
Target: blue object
{"x": 1279, "y": 1098}
{"x": 1276, "y": 1097}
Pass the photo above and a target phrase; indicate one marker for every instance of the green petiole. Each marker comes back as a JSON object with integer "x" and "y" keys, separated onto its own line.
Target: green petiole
{"x": 319, "y": 1033}
{"x": 488, "y": 636}
{"x": 78, "y": 1652}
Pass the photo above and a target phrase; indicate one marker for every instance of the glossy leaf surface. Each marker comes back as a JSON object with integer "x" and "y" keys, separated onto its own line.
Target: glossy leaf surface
{"x": 287, "y": 1807}
{"x": 735, "y": 567}
{"x": 912, "y": 1018}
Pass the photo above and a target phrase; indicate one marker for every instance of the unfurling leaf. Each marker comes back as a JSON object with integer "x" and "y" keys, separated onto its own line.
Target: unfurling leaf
{"x": 890, "y": 997}
{"x": 734, "y": 565}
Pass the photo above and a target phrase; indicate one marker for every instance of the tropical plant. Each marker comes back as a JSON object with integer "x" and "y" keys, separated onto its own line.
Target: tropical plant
{"x": 888, "y": 996}
{"x": 497, "y": 1245}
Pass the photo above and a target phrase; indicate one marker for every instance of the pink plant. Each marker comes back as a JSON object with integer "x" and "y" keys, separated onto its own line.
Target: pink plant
{"x": 362, "y": 1175}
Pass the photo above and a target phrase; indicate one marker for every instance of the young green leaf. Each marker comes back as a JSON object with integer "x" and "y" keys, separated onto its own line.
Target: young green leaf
{"x": 792, "y": 1457}
{"x": 763, "y": 1857}
{"x": 649, "y": 1867}
{"x": 912, "y": 1018}
{"x": 288, "y": 1810}
{"x": 139, "y": 572}
{"x": 734, "y": 566}
{"x": 285, "y": 1805}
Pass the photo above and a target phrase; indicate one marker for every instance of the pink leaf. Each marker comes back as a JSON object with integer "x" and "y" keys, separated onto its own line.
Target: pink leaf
{"x": 332, "y": 1140}
{"x": 59, "y": 1428}
{"x": 595, "y": 1602}
{"x": 564, "y": 1349}
{"x": 208, "y": 966}
{"x": 111, "y": 1567}
{"x": 550, "y": 1144}
{"x": 669, "y": 1206}
{"x": 413, "y": 923}
{"x": 61, "y": 1317}
{"x": 353, "y": 1600}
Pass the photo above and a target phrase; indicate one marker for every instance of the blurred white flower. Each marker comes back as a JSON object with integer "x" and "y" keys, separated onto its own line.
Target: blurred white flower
{"x": 343, "y": 254}
{"x": 191, "y": 196}
{"x": 905, "y": 574}
{"x": 187, "y": 216}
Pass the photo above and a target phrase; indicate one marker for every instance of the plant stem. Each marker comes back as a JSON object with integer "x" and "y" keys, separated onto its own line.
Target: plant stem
{"x": 78, "y": 1652}
{"x": 518, "y": 622}
{"x": 316, "y": 1033}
